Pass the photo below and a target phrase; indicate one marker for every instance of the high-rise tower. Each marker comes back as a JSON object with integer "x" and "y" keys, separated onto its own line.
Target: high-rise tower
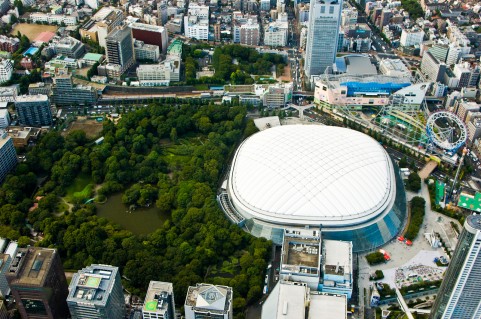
{"x": 459, "y": 296}
{"x": 322, "y": 37}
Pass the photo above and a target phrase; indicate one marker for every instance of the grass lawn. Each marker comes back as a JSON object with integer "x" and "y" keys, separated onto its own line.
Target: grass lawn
{"x": 178, "y": 154}
{"x": 81, "y": 189}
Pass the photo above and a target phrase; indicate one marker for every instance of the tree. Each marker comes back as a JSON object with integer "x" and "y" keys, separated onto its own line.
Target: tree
{"x": 414, "y": 182}
{"x": 173, "y": 135}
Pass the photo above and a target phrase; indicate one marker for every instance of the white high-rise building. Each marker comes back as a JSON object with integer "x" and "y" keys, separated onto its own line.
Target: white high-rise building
{"x": 459, "y": 296}
{"x": 411, "y": 37}
{"x": 322, "y": 36}
{"x": 6, "y": 70}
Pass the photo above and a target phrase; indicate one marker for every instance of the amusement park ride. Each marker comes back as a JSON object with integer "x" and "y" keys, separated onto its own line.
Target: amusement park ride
{"x": 440, "y": 133}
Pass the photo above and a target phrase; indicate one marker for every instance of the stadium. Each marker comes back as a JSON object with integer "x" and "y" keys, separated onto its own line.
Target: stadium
{"x": 299, "y": 176}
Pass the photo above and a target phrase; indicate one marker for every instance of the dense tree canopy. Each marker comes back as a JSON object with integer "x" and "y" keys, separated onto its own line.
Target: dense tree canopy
{"x": 197, "y": 238}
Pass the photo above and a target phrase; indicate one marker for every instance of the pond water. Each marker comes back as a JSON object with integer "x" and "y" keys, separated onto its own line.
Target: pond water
{"x": 140, "y": 221}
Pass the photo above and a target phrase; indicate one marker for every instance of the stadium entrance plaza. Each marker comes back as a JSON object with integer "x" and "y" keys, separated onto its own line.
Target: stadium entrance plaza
{"x": 419, "y": 253}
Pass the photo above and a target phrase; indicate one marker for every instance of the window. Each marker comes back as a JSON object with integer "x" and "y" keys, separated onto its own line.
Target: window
{"x": 323, "y": 9}
{"x": 331, "y": 9}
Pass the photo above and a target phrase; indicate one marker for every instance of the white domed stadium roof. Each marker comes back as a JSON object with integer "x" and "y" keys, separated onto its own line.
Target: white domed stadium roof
{"x": 311, "y": 174}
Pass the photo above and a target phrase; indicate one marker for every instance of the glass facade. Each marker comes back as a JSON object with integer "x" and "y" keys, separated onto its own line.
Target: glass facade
{"x": 369, "y": 237}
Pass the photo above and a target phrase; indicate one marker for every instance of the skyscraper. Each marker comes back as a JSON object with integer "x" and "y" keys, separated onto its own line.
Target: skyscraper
{"x": 38, "y": 284}
{"x": 95, "y": 292}
{"x": 322, "y": 37}
{"x": 8, "y": 155}
{"x": 459, "y": 296}
{"x": 120, "y": 47}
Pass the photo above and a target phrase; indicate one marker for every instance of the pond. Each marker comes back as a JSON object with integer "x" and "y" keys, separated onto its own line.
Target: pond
{"x": 140, "y": 221}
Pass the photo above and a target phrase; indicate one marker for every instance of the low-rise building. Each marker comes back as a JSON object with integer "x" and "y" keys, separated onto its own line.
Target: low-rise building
{"x": 410, "y": 37}
{"x": 6, "y": 70}
{"x": 275, "y": 34}
{"x": 146, "y": 52}
{"x": 277, "y": 95}
{"x": 70, "y": 47}
{"x": 21, "y": 135}
{"x": 39, "y": 88}
{"x": 394, "y": 67}
{"x": 337, "y": 271}
{"x": 49, "y": 18}
{"x": 159, "y": 74}
{"x": 9, "y": 44}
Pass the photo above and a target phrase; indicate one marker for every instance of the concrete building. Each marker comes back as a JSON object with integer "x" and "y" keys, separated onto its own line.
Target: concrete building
{"x": 101, "y": 24}
{"x": 39, "y": 88}
{"x": 120, "y": 48}
{"x": 8, "y": 155}
{"x": 411, "y": 37}
{"x": 4, "y": 118}
{"x": 95, "y": 292}
{"x": 394, "y": 67}
{"x": 6, "y": 70}
{"x": 275, "y": 34}
{"x": 159, "y": 302}
{"x": 459, "y": 296}
{"x": 65, "y": 93}
{"x": 277, "y": 95}
{"x": 175, "y": 24}
{"x": 473, "y": 126}
{"x": 146, "y": 52}
{"x": 246, "y": 29}
{"x": 150, "y": 34}
{"x": 196, "y": 23}
{"x": 294, "y": 300}
{"x": 322, "y": 36}
{"x": 38, "y": 284}
{"x": 159, "y": 74}
{"x": 337, "y": 271}
{"x": 33, "y": 110}
{"x": 70, "y": 47}
{"x": 301, "y": 257}
{"x": 208, "y": 301}
{"x": 463, "y": 107}
{"x": 50, "y": 18}
{"x": 432, "y": 68}
{"x": 9, "y": 44}
{"x": 358, "y": 39}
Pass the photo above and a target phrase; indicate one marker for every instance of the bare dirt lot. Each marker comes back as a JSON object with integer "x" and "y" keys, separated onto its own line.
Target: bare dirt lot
{"x": 92, "y": 128}
{"x": 32, "y": 30}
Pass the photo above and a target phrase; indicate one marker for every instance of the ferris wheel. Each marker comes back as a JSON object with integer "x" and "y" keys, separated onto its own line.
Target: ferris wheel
{"x": 446, "y": 130}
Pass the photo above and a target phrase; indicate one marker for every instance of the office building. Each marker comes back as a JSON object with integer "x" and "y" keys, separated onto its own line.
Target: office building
{"x": 4, "y": 118}
{"x": 208, "y": 301}
{"x": 337, "y": 272}
{"x": 275, "y": 34}
{"x": 277, "y": 95}
{"x": 120, "y": 48}
{"x": 473, "y": 125}
{"x": 65, "y": 93}
{"x": 411, "y": 37}
{"x": 463, "y": 107}
{"x": 322, "y": 36}
{"x": 6, "y": 70}
{"x": 95, "y": 292}
{"x": 70, "y": 47}
{"x": 301, "y": 257}
{"x": 5, "y": 261}
{"x": 38, "y": 284}
{"x": 432, "y": 68}
{"x": 33, "y": 110}
{"x": 159, "y": 301}
{"x": 101, "y": 24}
{"x": 459, "y": 296}
{"x": 246, "y": 29}
{"x": 175, "y": 24}
{"x": 159, "y": 74}
{"x": 196, "y": 23}
{"x": 358, "y": 39}
{"x": 150, "y": 34}
{"x": 39, "y": 88}
{"x": 8, "y": 155}
{"x": 146, "y": 52}
{"x": 294, "y": 300}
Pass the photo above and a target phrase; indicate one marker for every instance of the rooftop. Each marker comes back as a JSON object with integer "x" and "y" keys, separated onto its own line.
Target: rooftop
{"x": 300, "y": 252}
{"x": 93, "y": 57}
{"x": 327, "y": 306}
{"x": 338, "y": 257}
{"x": 147, "y": 27}
{"x": 3, "y": 139}
{"x": 32, "y": 98}
{"x": 30, "y": 266}
{"x": 92, "y": 284}
{"x": 157, "y": 297}
{"x": 216, "y": 299}
{"x": 287, "y": 301}
{"x": 474, "y": 221}
{"x": 471, "y": 202}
